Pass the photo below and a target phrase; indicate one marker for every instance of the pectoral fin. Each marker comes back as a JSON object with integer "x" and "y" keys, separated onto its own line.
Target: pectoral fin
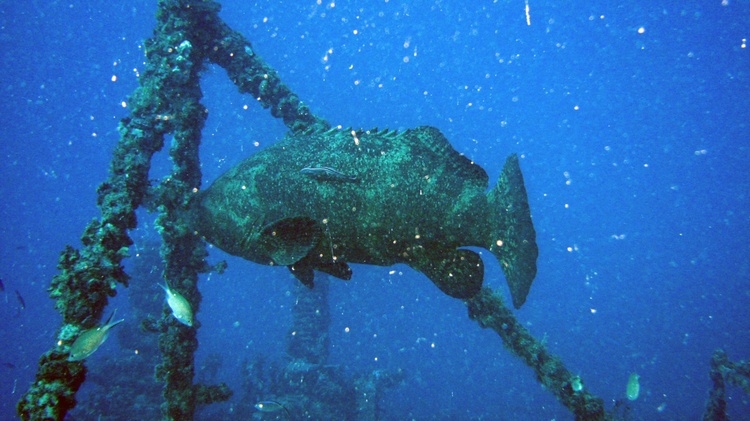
{"x": 458, "y": 273}
{"x": 289, "y": 240}
{"x": 303, "y": 270}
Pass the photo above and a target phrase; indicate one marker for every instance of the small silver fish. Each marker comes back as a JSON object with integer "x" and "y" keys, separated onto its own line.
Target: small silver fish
{"x": 328, "y": 174}
{"x": 272, "y": 406}
{"x": 181, "y": 309}
{"x": 90, "y": 340}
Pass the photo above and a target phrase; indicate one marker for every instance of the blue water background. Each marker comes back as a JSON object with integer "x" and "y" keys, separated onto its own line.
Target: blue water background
{"x": 632, "y": 126}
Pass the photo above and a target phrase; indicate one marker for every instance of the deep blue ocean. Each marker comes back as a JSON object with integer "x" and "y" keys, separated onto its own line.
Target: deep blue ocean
{"x": 632, "y": 122}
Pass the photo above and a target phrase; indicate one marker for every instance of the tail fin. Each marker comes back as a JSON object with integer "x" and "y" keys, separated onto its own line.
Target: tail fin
{"x": 513, "y": 239}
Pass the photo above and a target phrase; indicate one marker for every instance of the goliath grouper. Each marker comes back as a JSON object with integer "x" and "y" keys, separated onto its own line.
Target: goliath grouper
{"x": 373, "y": 197}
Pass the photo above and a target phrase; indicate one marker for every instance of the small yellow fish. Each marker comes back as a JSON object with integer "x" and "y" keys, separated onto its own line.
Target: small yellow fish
{"x": 181, "y": 309}
{"x": 91, "y": 339}
{"x": 634, "y": 388}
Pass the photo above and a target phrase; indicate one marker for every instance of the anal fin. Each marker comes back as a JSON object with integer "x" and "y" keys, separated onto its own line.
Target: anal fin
{"x": 304, "y": 273}
{"x": 458, "y": 273}
{"x": 304, "y": 270}
{"x": 338, "y": 269}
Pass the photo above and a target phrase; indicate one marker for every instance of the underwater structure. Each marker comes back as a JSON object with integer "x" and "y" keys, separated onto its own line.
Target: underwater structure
{"x": 125, "y": 384}
{"x": 305, "y": 385}
{"x": 187, "y": 35}
{"x": 724, "y": 373}
{"x": 167, "y": 102}
{"x": 488, "y": 310}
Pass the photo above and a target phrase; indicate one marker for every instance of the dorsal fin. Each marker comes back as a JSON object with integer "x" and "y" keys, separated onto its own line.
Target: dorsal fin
{"x": 435, "y": 142}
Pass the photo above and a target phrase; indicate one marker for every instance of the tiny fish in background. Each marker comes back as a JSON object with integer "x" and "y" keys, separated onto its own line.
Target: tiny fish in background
{"x": 20, "y": 300}
{"x": 90, "y": 340}
{"x": 2, "y": 286}
{"x": 181, "y": 309}
{"x": 633, "y": 388}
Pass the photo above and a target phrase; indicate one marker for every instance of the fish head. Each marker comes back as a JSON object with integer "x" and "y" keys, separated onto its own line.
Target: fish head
{"x": 79, "y": 354}
{"x": 234, "y": 228}
{"x": 243, "y": 229}
{"x": 185, "y": 317}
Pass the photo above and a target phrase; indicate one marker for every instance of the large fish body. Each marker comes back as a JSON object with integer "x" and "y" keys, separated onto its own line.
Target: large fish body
{"x": 416, "y": 201}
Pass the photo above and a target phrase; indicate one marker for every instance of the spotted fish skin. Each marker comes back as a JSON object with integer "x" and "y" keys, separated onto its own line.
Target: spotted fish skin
{"x": 418, "y": 202}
